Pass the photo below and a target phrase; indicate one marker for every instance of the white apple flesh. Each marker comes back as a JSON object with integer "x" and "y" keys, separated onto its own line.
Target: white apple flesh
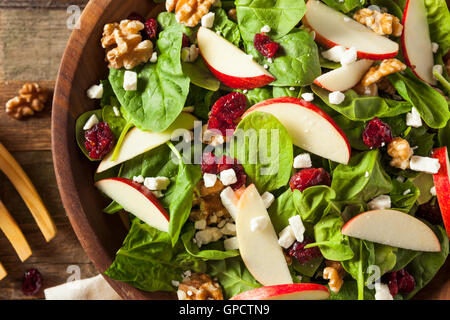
{"x": 309, "y": 127}
{"x": 259, "y": 249}
{"x": 334, "y": 28}
{"x": 295, "y": 291}
{"x": 416, "y": 42}
{"x": 230, "y": 64}
{"x": 136, "y": 199}
{"x": 345, "y": 77}
{"x": 442, "y": 184}
{"x": 392, "y": 228}
{"x": 137, "y": 141}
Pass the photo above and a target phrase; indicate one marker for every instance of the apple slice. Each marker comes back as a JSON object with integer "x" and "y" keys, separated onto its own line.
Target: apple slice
{"x": 392, "y": 228}
{"x": 416, "y": 42}
{"x": 137, "y": 141}
{"x": 136, "y": 199}
{"x": 442, "y": 185}
{"x": 295, "y": 291}
{"x": 230, "y": 64}
{"x": 309, "y": 127}
{"x": 345, "y": 77}
{"x": 334, "y": 28}
{"x": 3, "y": 272}
{"x": 259, "y": 249}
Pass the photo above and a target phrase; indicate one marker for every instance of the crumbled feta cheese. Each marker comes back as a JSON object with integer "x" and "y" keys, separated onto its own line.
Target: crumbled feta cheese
{"x": 116, "y": 111}
{"x": 406, "y": 192}
{"x": 336, "y": 97}
{"x": 268, "y": 199}
{"x": 334, "y": 54}
{"x": 95, "y": 92}
{"x": 189, "y": 54}
{"x": 349, "y": 56}
{"x": 229, "y": 201}
{"x": 154, "y": 57}
{"x": 259, "y": 223}
{"x": 187, "y": 274}
{"x": 245, "y": 91}
{"x": 265, "y": 29}
{"x": 380, "y": 203}
{"x": 175, "y": 283}
{"x": 208, "y": 20}
{"x": 413, "y": 118}
{"x": 286, "y": 237}
{"x": 292, "y": 88}
{"x": 297, "y": 227}
{"x": 400, "y": 179}
{"x": 130, "y": 81}
{"x": 218, "y": 32}
{"x": 433, "y": 191}
{"x": 308, "y": 96}
{"x": 266, "y": 66}
{"x": 434, "y": 47}
{"x": 382, "y": 292}
{"x": 269, "y": 60}
{"x": 157, "y": 194}
{"x": 92, "y": 121}
{"x": 138, "y": 179}
{"x": 229, "y": 229}
{"x": 303, "y": 160}
{"x": 207, "y": 236}
{"x": 367, "y": 174}
{"x": 209, "y": 180}
{"x": 438, "y": 68}
{"x": 228, "y": 177}
{"x": 424, "y": 164}
{"x": 231, "y": 243}
{"x": 374, "y": 8}
{"x": 157, "y": 183}
{"x": 200, "y": 224}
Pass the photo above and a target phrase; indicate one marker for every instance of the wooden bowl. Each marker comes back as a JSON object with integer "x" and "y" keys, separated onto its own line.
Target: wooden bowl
{"x": 101, "y": 235}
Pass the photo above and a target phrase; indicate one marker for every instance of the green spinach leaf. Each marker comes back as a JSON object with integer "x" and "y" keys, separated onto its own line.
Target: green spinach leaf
{"x": 79, "y": 131}
{"x": 227, "y": 28}
{"x": 315, "y": 202}
{"x": 345, "y": 5}
{"x": 439, "y": 23}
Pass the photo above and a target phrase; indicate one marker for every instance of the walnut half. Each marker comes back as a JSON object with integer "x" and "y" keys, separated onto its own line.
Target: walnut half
{"x": 199, "y": 286}
{"x": 31, "y": 99}
{"x": 189, "y": 12}
{"x": 400, "y": 151}
{"x": 334, "y": 272}
{"x": 380, "y": 23}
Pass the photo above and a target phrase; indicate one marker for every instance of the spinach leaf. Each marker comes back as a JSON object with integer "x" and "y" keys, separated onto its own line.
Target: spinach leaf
{"x": 385, "y": 257}
{"x": 108, "y": 97}
{"x": 202, "y": 100}
{"x": 359, "y": 108}
{"x": 233, "y": 276}
{"x": 280, "y": 15}
{"x": 308, "y": 268}
{"x": 200, "y": 75}
{"x": 345, "y": 5}
{"x": 116, "y": 123}
{"x": 258, "y": 94}
{"x": 287, "y": 92}
{"x": 403, "y": 195}
{"x": 444, "y": 136}
{"x": 439, "y": 23}
{"x": 349, "y": 291}
{"x": 148, "y": 261}
{"x": 431, "y": 105}
{"x": 391, "y": 5}
{"x": 162, "y": 87}
{"x": 264, "y": 148}
{"x": 227, "y": 28}
{"x": 315, "y": 202}
{"x": 112, "y": 208}
{"x": 350, "y": 181}
{"x": 422, "y": 140}
{"x": 353, "y": 131}
{"x": 79, "y": 131}
{"x": 404, "y": 257}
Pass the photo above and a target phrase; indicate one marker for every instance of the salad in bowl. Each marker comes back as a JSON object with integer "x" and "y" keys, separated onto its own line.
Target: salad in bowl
{"x": 276, "y": 149}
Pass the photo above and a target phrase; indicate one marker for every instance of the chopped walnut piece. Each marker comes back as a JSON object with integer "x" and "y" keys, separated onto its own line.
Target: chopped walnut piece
{"x": 370, "y": 91}
{"x": 199, "y": 286}
{"x": 334, "y": 272}
{"x": 189, "y": 12}
{"x": 387, "y": 66}
{"x": 124, "y": 45}
{"x": 400, "y": 151}
{"x": 380, "y": 23}
{"x": 31, "y": 99}
{"x": 385, "y": 85}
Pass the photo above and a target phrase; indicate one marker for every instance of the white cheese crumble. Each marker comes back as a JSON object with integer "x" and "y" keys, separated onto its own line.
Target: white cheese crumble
{"x": 433, "y": 191}
{"x": 400, "y": 179}
{"x": 229, "y": 201}
{"x": 303, "y": 160}
{"x": 130, "y": 81}
{"x": 231, "y": 243}
{"x": 229, "y": 229}
{"x": 291, "y": 88}
{"x": 175, "y": 283}
{"x": 382, "y": 292}
{"x": 157, "y": 183}
{"x": 207, "y": 236}
{"x": 336, "y": 97}
{"x": 286, "y": 237}
{"x": 380, "y": 203}
{"x": 265, "y": 66}
{"x": 228, "y": 177}
{"x": 413, "y": 118}
{"x": 265, "y": 29}
{"x": 158, "y": 194}
{"x": 139, "y": 179}
{"x": 297, "y": 227}
{"x": 269, "y": 60}
{"x": 95, "y": 92}
{"x": 116, "y": 111}
{"x": 424, "y": 164}
{"x": 268, "y": 199}
{"x": 349, "y": 56}
{"x": 209, "y": 179}
{"x": 406, "y": 192}
{"x": 259, "y": 223}
{"x": 308, "y": 96}
{"x": 334, "y": 54}
{"x": 154, "y": 57}
{"x": 434, "y": 47}
{"x": 366, "y": 174}
{"x": 92, "y": 121}
{"x": 200, "y": 224}
{"x": 208, "y": 20}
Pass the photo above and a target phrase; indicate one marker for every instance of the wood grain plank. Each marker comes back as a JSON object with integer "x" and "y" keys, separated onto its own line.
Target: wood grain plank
{"x": 41, "y": 4}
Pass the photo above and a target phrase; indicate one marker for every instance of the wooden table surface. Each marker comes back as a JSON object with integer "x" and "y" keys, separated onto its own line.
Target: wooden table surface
{"x": 33, "y": 35}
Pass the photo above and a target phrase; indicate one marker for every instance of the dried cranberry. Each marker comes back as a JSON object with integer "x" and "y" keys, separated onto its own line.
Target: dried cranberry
{"x": 185, "y": 42}
{"x": 225, "y": 128}
{"x": 99, "y": 140}
{"x": 406, "y": 282}
{"x": 209, "y": 163}
{"x": 151, "y": 28}
{"x": 229, "y": 163}
{"x": 392, "y": 283}
{"x": 430, "y": 211}
{"x": 136, "y": 16}
{"x": 306, "y": 178}
{"x": 32, "y": 282}
{"x": 377, "y": 133}
{"x": 265, "y": 45}
{"x": 302, "y": 254}
{"x": 230, "y": 107}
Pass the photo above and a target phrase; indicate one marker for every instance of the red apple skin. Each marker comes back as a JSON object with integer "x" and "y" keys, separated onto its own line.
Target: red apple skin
{"x": 244, "y": 83}
{"x": 442, "y": 184}
{"x": 304, "y": 104}
{"x": 361, "y": 55}
{"x": 145, "y": 191}
{"x": 278, "y": 290}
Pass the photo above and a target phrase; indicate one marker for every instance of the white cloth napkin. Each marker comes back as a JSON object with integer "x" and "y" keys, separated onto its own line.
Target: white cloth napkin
{"x": 96, "y": 288}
